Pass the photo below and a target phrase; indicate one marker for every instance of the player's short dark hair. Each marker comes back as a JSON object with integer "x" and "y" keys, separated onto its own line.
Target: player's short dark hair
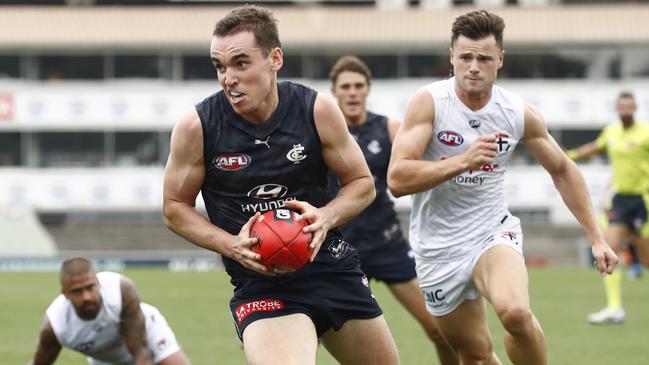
{"x": 352, "y": 64}
{"x": 75, "y": 266}
{"x": 251, "y": 18}
{"x": 478, "y": 25}
{"x": 626, "y": 94}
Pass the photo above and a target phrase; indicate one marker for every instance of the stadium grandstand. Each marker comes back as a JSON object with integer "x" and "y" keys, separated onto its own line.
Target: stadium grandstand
{"x": 90, "y": 90}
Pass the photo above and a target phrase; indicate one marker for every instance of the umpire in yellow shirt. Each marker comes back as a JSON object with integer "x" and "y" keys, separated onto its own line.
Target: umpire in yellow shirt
{"x": 627, "y": 145}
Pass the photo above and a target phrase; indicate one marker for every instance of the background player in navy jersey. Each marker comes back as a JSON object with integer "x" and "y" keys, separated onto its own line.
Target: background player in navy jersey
{"x": 259, "y": 144}
{"x": 375, "y": 232}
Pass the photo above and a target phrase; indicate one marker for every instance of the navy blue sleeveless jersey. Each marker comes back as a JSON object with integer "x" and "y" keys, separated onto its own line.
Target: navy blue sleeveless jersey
{"x": 377, "y": 224}
{"x": 257, "y": 167}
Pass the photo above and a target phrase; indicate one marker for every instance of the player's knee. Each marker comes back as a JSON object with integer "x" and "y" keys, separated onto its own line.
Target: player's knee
{"x": 478, "y": 350}
{"x": 435, "y": 335}
{"x": 475, "y": 357}
{"x": 517, "y": 319}
{"x": 284, "y": 359}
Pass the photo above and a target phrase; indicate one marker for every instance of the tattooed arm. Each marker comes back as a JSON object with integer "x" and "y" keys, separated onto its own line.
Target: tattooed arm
{"x": 132, "y": 324}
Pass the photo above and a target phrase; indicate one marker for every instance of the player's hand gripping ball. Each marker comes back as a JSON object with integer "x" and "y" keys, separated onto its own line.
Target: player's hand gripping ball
{"x": 282, "y": 244}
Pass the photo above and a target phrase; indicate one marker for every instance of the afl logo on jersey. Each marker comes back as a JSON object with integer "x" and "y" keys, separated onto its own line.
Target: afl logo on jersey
{"x": 231, "y": 161}
{"x": 450, "y": 138}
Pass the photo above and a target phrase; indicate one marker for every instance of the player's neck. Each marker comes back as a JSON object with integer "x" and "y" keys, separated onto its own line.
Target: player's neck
{"x": 473, "y": 100}
{"x": 356, "y": 120}
{"x": 266, "y": 108}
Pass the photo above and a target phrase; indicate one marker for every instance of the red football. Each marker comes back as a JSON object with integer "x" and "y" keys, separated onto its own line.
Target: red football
{"x": 282, "y": 244}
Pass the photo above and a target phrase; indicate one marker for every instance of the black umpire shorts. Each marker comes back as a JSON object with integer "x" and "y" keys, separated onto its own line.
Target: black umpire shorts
{"x": 629, "y": 210}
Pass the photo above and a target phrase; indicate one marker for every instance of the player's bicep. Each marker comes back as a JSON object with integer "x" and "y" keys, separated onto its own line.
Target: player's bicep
{"x": 541, "y": 144}
{"x": 185, "y": 171}
{"x": 340, "y": 152}
{"x": 48, "y": 347}
{"x": 412, "y": 137}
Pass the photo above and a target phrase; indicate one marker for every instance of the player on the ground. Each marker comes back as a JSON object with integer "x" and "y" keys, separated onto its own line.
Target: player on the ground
{"x": 451, "y": 153}
{"x": 258, "y": 145}
{"x": 101, "y": 316}
{"x": 375, "y": 233}
{"x": 627, "y": 145}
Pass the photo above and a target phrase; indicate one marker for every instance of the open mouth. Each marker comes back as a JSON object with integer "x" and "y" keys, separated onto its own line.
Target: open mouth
{"x": 89, "y": 306}
{"x": 236, "y": 96}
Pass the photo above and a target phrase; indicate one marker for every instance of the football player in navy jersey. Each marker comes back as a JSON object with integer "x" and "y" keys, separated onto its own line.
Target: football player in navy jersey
{"x": 385, "y": 254}
{"x": 260, "y": 144}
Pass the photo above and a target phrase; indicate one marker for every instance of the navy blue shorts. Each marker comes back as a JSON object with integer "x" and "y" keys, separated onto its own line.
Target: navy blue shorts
{"x": 391, "y": 263}
{"x": 329, "y": 293}
{"x": 629, "y": 210}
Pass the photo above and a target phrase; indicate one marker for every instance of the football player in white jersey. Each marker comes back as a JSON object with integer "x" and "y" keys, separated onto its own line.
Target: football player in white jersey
{"x": 101, "y": 316}
{"x": 451, "y": 153}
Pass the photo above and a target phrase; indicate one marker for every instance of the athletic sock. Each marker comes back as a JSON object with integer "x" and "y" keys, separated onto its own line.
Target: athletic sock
{"x": 613, "y": 289}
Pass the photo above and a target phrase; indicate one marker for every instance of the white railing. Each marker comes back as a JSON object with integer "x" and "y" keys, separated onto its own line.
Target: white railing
{"x": 140, "y": 189}
{"x": 158, "y": 105}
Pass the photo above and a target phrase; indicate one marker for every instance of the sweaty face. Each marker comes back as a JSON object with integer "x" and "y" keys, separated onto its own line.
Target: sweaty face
{"x": 475, "y": 64}
{"x": 625, "y": 109}
{"x": 83, "y": 292}
{"x": 351, "y": 90}
{"x": 247, "y": 76}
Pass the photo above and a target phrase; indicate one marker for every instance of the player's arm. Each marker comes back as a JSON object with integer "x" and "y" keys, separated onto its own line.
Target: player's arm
{"x": 407, "y": 173}
{"x": 345, "y": 159}
{"x": 585, "y": 151}
{"x": 570, "y": 183}
{"x": 48, "y": 347}
{"x": 132, "y": 324}
{"x": 393, "y": 127}
{"x": 183, "y": 179}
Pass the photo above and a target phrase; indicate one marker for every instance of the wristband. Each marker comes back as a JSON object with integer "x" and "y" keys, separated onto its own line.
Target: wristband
{"x": 572, "y": 154}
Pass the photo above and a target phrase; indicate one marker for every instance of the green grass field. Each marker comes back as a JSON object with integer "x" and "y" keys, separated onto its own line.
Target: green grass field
{"x": 195, "y": 304}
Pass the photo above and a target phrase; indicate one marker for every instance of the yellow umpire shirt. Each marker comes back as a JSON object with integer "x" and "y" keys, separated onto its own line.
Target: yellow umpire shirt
{"x": 628, "y": 152}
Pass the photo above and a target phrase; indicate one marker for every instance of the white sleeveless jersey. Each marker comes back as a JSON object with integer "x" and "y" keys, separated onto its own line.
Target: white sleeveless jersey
{"x": 98, "y": 338}
{"x": 451, "y": 219}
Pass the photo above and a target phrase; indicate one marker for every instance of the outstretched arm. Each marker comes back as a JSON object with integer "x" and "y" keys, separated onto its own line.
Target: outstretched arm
{"x": 570, "y": 183}
{"x": 183, "y": 179}
{"x": 48, "y": 347}
{"x": 585, "y": 151}
{"x": 132, "y": 326}
{"x": 407, "y": 173}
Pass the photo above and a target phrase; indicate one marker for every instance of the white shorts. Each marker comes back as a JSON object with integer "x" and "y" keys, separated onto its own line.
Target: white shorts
{"x": 159, "y": 336}
{"x": 451, "y": 282}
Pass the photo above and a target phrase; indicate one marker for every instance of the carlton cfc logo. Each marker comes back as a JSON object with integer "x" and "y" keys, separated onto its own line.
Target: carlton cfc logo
{"x": 231, "y": 161}
{"x": 450, "y": 138}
